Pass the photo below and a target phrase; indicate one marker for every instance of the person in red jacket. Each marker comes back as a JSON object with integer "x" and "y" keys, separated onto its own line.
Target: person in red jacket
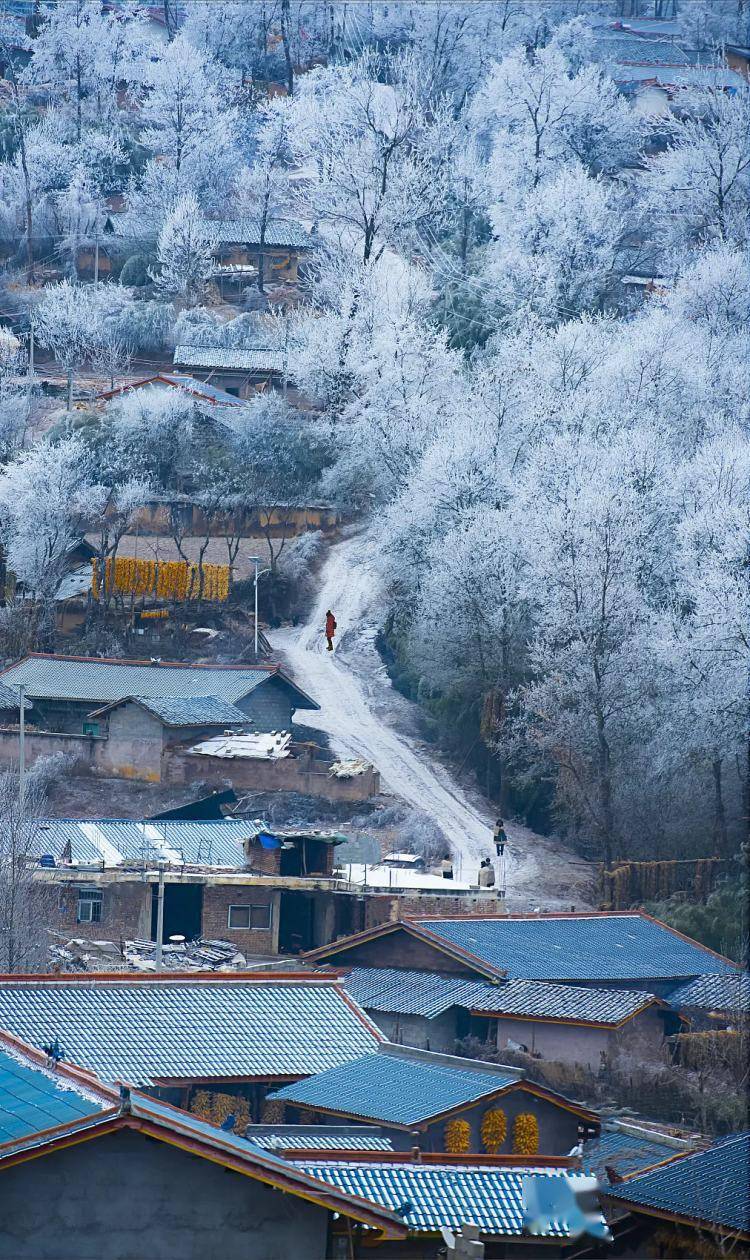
{"x": 330, "y": 629}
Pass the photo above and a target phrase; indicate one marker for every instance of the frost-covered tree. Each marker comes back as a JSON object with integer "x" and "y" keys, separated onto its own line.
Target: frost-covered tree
{"x": 263, "y": 192}
{"x": 65, "y": 53}
{"x": 184, "y": 253}
{"x": 699, "y": 187}
{"x": 44, "y": 504}
{"x": 558, "y": 255}
{"x": 65, "y": 322}
{"x": 377, "y": 158}
{"x": 591, "y": 526}
{"x": 186, "y": 122}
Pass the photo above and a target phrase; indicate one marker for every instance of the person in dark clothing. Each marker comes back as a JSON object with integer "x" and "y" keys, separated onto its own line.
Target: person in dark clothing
{"x": 499, "y": 837}
{"x": 330, "y": 629}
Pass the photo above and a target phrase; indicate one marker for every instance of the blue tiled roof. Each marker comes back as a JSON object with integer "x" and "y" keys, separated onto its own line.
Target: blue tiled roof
{"x": 247, "y": 231}
{"x": 585, "y": 947}
{"x": 395, "y": 1089}
{"x": 32, "y": 1100}
{"x": 136, "y": 1030}
{"x": 441, "y": 1196}
{"x": 539, "y": 1000}
{"x": 192, "y": 710}
{"x": 123, "y": 840}
{"x": 710, "y": 1186}
{"x": 625, "y": 1152}
{"x": 411, "y": 992}
{"x": 9, "y": 698}
{"x": 714, "y": 993}
{"x": 72, "y": 678}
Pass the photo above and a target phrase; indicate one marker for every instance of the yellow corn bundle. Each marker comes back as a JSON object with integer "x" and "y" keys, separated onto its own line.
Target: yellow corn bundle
{"x": 457, "y": 1137}
{"x": 633, "y": 882}
{"x": 216, "y": 1107}
{"x": 173, "y": 580}
{"x": 525, "y": 1134}
{"x": 494, "y": 1129}
{"x": 154, "y": 613}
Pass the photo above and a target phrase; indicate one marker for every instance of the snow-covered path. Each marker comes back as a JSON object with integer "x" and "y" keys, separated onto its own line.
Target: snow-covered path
{"x": 364, "y": 716}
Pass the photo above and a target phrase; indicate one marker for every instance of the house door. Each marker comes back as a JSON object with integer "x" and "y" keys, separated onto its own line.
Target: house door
{"x": 295, "y": 923}
{"x": 183, "y": 910}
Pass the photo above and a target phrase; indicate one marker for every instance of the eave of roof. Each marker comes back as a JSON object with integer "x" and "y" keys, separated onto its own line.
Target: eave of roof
{"x": 177, "y": 1128}
{"x": 413, "y": 929}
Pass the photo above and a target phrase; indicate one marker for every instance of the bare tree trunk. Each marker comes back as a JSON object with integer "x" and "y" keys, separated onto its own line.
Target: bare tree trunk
{"x": 720, "y": 833}
{"x": 285, "y": 21}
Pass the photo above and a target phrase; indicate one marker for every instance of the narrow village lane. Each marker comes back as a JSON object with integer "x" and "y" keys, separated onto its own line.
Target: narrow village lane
{"x": 364, "y": 716}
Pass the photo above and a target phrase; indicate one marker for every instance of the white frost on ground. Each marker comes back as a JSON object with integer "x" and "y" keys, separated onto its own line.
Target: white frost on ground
{"x": 364, "y": 716}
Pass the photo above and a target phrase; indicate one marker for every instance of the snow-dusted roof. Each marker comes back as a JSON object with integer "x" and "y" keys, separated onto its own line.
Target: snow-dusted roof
{"x": 257, "y": 359}
{"x": 247, "y": 231}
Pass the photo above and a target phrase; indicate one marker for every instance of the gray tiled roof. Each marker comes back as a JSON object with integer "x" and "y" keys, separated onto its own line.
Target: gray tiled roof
{"x": 430, "y": 993}
{"x": 192, "y": 710}
{"x": 396, "y": 1089}
{"x": 116, "y": 841}
{"x": 538, "y": 1000}
{"x": 708, "y": 1187}
{"x": 9, "y": 698}
{"x": 626, "y": 1153}
{"x": 247, "y": 231}
{"x": 714, "y": 993}
{"x": 94, "y": 680}
{"x": 442, "y": 1196}
{"x": 258, "y": 359}
{"x": 411, "y": 992}
{"x": 317, "y": 1137}
{"x": 139, "y": 1029}
{"x": 597, "y": 947}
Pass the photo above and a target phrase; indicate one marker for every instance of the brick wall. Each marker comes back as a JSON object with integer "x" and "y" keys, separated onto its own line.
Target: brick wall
{"x": 126, "y": 911}
{"x": 292, "y": 774}
{"x": 216, "y": 902}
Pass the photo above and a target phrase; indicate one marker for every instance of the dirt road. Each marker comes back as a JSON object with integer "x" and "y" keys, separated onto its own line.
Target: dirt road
{"x": 364, "y": 716}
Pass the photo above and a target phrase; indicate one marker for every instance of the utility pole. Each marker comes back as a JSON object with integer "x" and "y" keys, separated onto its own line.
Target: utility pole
{"x": 96, "y": 258}
{"x": 160, "y": 917}
{"x": 31, "y": 349}
{"x": 256, "y": 561}
{"x": 21, "y": 746}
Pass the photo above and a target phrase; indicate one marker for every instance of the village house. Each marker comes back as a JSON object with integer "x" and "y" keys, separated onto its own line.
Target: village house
{"x": 267, "y": 890}
{"x": 549, "y": 1021}
{"x": 88, "y": 1172}
{"x": 694, "y": 1204}
{"x": 476, "y": 1199}
{"x": 714, "y": 1001}
{"x": 67, "y": 690}
{"x": 241, "y": 373}
{"x": 439, "y": 1102}
{"x": 264, "y": 889}
{"x": 624, "y": 949}
{"x": 191, "y": 1039}
{"x": 249, "y": 251}
{"x": 205, "y": 395}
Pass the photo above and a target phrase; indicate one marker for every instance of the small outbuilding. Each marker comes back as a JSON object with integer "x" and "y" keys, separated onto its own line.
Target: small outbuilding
{"x": 442, "y": 1103}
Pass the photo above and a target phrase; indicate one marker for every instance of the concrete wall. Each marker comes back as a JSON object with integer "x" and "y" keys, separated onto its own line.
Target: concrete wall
{"x": 133, "y": 749}
{"x": 575, "y": 1044}
{"x": 437, "y": 1034}
{"x": 269, "y": 706}
{"x": 122, "y": 1196}
{"x": 84, "y": 748}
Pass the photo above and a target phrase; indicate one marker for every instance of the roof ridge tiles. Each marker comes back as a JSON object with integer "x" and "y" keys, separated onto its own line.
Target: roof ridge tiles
{"x": 267, "y": 667}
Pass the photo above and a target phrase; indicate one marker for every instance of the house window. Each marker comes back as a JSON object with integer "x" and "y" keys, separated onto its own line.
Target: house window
{"x": 255, "y": 917}
{"x": 89, "y": 908}
{"x": 91, "y": 728}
